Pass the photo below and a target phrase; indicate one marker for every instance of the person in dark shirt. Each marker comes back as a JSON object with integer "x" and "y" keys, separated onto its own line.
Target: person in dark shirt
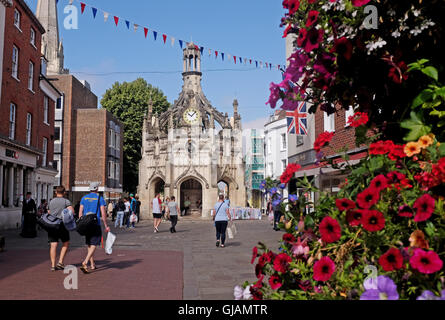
{"x": 29, "y": 214}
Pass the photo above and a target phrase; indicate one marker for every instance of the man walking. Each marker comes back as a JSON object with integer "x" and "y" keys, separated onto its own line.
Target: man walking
{"x": 157, "y": 213}
{"x": 93, "y": 203}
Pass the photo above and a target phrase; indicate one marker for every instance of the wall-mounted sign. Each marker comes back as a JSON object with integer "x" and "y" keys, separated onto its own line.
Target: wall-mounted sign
{"x": 11, "y": 154}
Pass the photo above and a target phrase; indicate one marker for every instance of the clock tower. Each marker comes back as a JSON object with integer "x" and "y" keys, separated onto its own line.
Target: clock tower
{"x": 185, "y": 155}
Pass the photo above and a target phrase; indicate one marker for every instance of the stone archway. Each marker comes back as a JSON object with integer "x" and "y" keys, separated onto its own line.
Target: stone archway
{"x": 191, "y": 194}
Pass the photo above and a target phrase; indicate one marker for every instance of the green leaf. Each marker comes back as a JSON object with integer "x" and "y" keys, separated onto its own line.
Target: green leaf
{"x": 442, "y": 150}
{"x": 431, "y": 72}
{"x": 416, "y": 126}
{"x": 423, "y": 97}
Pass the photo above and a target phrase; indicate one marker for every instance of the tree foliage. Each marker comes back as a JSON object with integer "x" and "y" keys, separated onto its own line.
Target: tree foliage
{"x": 128, "y": 101}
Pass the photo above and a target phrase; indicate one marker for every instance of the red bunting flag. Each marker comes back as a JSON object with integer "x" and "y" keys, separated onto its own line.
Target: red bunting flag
{"x": 164, "y": 36}
{"x": 116, "y": 20}
{"x": 82, "y": 7}
{"x": 234, "y": 59}
{"x": 250, "y": 61}
{"x": 146, "y": 32}
{"x": 216, "y": 54}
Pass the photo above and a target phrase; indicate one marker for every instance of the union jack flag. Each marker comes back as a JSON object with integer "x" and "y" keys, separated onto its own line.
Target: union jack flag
{"x": 297, "y": 120}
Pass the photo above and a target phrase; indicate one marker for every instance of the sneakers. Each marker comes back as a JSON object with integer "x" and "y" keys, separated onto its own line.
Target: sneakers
{"x": 217, "y": 243}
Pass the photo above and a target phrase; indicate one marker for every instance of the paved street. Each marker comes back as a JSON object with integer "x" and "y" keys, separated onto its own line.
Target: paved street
{"x": 144, "y": 265}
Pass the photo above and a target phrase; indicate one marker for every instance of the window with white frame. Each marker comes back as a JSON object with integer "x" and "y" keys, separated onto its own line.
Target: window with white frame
{"x": 28, "y": 129}
{"x": 118, "y": 142}
{"x": 110, "y": 170}
{"x": 45, "y": 151}
{"x": 117, "y": 173}
{"x": 17, "y": 18}
{"x": 329, "y": 122}
{"x": 45, "y": 109}
{"x": 31, "y": 76}
{"x": 283, "y": 165}
{"x": 32, "y": 39}
{"x": 348, "y": 113}
{"x": 12, "y": 115}
{"x": 15, "y": 62}
{"x": 283, "y": 142}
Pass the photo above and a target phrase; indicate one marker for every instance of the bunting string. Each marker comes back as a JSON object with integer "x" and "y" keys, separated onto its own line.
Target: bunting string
{"x": 218, "y": 54}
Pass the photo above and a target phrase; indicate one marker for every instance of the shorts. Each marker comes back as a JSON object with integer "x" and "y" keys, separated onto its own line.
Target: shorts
{"x": 94, "y": 238}
{"x": 62, "y": 234}
{"x": 157, "y": 215}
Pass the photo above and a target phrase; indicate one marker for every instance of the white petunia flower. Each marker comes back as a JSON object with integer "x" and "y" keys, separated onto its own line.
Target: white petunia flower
{"x": 396, "y": 34}
{"x": 238, "y": 292}
{"x": 246, "y": 294}
{"x": 416, "y": 31}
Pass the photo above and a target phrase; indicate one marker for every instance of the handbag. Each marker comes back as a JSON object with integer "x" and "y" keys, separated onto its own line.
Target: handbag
{"x": 87, "y": 223}
{"x": 68, "y": 220}
{"x": 49, "y": 222}
{"x": 231, "y": 230}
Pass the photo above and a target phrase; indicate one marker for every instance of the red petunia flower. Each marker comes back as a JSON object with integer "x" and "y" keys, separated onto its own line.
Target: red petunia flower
{"x": 312, "y": 17}
{"x": 380, "y": 183}
{"x": 373, "y": 220}
{"x": 313, "y": 39}
{"x": 344, "y": 204}
{"x": 359, "y": 3}
{"x": 289, "y": 172}
{"x": 381, "y": 147}
{"x": 275, "y": 282}
{"x": 424, "y": 207}
{"x": 302, "y": 34}
{"x": 254, "y": 254}
{"x": 397, "y": 180}
{"x": 288, "y": 237}
{"x": 343, "y": 47}
{"x": 397, "y": 152}
{"x": 323, "y": 269}
{"x": 330, "y": 230}
{"x": 281, "y": 262}
{"x": 323, "y": 139}
{"x": 358, "y": 119}
{"x": 405, "y": 211}
{"x": 426, "y": 261}
{"x": 292, "y": 5}
{"x": 368, "y": 197}
{"x": 391, "y": 260}
{"x": 259, "y": 283}
{"x": 354, "y": 217}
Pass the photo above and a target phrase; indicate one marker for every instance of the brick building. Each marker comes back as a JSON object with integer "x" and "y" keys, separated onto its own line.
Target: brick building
{"x": 27, "y": 123}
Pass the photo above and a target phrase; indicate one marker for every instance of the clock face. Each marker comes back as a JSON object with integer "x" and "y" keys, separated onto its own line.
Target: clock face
{"x": 191, "y": 115}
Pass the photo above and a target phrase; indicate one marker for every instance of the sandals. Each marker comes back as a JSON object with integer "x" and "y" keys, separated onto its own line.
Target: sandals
{"x": 93, "y": 267}
{"x": 60, "y": 266}
{"x": 84, "y": 268}
{"x": 53, "y": 269}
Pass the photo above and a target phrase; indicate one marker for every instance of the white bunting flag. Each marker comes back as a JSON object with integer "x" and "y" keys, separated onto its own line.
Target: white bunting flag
{"x": 173, "y": 41}
{"x": 106, "y": 14}
{"x": 245, "y": 60}
{"x": 210, "y": 52}
{"x": 229, "y": 57}
{"x": 71, "y": 2}
{"x": 136, "y": 27}
{"x": 261, "y": 64}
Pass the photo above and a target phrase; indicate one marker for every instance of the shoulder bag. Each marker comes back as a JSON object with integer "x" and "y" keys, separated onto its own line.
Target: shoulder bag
{"x": 88, "y": 222}
{"x": 214, "y": 217}
{"x": 49, "y": 222}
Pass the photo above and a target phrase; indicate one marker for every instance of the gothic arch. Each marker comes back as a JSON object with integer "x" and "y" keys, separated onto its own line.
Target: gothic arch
{"x": 156, "y": 174}
{"x": 191, "y": 175}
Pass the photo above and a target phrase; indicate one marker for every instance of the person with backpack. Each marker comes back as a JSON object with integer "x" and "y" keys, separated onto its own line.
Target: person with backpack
{"x": 90, "y": 204}
{"x": 56, "y": 206}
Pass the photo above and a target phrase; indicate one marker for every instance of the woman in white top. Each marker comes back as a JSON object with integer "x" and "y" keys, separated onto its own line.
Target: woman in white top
{"x": 221, "y": 217}
{"x": 157, "y": 213}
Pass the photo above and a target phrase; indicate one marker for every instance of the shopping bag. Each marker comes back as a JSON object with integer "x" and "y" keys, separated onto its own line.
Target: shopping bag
{"x": 270, "y": 216}
{"x": 133, "y": 218}
{"x": 231, "y": 230}
{"x": 109, "y": 243}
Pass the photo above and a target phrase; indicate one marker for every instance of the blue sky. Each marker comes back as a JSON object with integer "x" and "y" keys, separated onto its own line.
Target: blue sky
{"x": 247, "y": 28}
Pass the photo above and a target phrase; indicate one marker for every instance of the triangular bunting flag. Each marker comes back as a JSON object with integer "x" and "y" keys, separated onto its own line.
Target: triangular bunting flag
{"x": 210, "y": 53}
{"x": 145, "y": 32}
{"x": 71, "y": 2}
{"x": 256, "y": 63}
{"x": 136, "y": 26}
{"x": 201, "y": 49}
{"x": 270, "y": 66}
{"x": 180, "y": 43}
{"x": 128, "y": 24}
{"x": 116, "y": 20}
{"x": 155, "y": 34}
{"x": 164, "y": 36}
{"x": 82, "y": 7}
{"x": 216, "y": 54}
{"x": 250, "y": 60}
{"x": 173, "y": 41}
{"x": 234, "y": 59}
{"x": 240, "y": 60}
{"x": 94, "y": 12}
{"x": 222, "y": 55}
{"x": 106, "y": 16}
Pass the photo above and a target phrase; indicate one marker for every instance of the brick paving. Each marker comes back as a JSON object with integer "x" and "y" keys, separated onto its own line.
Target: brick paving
{"x": 144, "y": 265}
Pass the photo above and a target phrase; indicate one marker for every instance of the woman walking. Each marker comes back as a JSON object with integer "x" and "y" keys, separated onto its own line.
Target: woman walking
{"x": 56, "y": 206}
{"x": 157, "y": 213}
{"x": 173, "y": 209}
{"x": 221, "y": 217}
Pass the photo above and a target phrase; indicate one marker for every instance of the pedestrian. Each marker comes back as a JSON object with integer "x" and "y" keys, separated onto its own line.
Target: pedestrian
{"x": 164, "y": 208}
{"x": 56, "y": 206}
{"x": 157, "y": 213}
{"x": 276, "y": 205}
{"x": 93, "y": 203}
{"x": 173, "y": 209}
{"x": 133, "y": 208}
{"x": 120, "y": 209}
{"x": 127, "y": 212}
{"x": 138, "y": 207}
{"x": 29, "y": 217}
{"x": 110, "y": 209}
{"x": 43, "y": 208}
{"x": 187, "y": 205}
{"x": 221, "y": 218}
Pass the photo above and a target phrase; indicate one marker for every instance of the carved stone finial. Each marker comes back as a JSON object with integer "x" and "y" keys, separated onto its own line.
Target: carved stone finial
{"x": 235, "y": 106}
{"x": 150, "y": 106}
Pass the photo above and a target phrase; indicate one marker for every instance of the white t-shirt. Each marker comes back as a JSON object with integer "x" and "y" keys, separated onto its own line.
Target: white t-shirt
{"x": 156, "y": 206}
{"x": 127, "y": 206}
